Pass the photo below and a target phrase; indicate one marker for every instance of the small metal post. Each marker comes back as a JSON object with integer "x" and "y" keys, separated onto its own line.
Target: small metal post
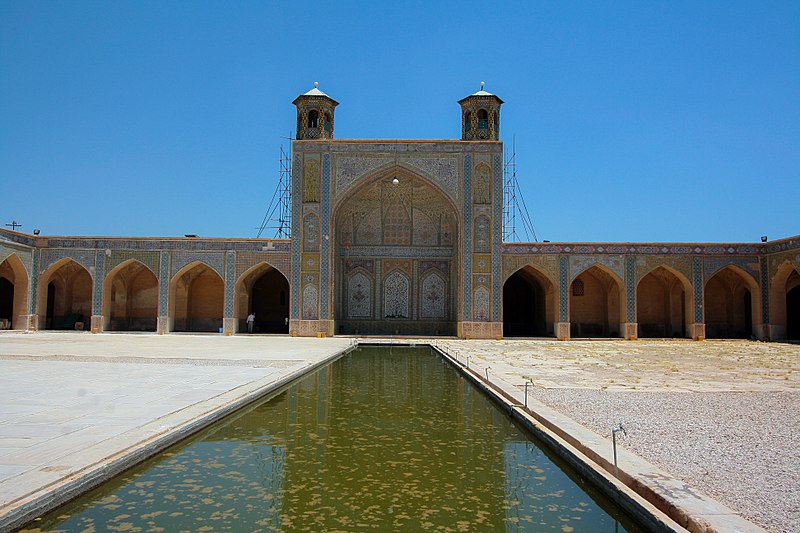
{"x": 487, "y": 373}
{"x": 526, "y": 392}
{"x": 467, "y": 362}
{"x": 614, "y": 443}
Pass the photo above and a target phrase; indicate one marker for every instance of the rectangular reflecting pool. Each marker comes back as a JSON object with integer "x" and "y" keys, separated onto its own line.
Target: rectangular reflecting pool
{"x": 384, "y": 439}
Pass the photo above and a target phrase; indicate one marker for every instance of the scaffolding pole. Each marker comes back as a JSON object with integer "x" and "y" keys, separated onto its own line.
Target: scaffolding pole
{"x": 278, "y": 217}
{"x": 514, "y": 207}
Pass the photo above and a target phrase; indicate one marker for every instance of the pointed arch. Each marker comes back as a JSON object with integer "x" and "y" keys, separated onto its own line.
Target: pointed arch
{"x": 600, "y": 310}
{"x": 359, "y": 294}
{"x": 398, "y": 170}
{"x": 732, "y": 304}
{"x": 663, "y": 297}
{"x": 433, "y": 295}
{"x": 130, "y": 297}
{"x": 784, "y": 300}
{"x": 13, "y": 292}
{"x": 196, "y": 298}
{"x": 396, "y": 295}
{"x": 65, "y": 296}
{"x": 529, "y": 303}
{"x": 263, "y": 290}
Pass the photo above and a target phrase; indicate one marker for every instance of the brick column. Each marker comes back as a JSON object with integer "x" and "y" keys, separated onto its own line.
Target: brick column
{"x": 228, "y": 319}
{"x": 164, "y": 321}
{"x": 97, "y": 322}
{"x": 562, "y": 326}
{"x": 630, "y": 329}
{"x": 697, "y": 329}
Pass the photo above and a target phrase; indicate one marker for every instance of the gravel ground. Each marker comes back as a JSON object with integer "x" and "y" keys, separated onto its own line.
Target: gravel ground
{"x": 741, "y": 448}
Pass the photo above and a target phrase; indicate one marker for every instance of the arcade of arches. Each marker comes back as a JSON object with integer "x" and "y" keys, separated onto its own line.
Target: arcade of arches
{"x": 663, "y": 304}
{"x": 130, "y": 295}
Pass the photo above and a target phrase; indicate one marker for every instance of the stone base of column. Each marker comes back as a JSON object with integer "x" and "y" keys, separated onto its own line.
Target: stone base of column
{"x": 29, "y": 322}
{"x": 311, "y": 328}
{"x": 562, "y": 331}
{"x": 228, "y": 326}
{"x": 480, "y": 330}
{"x": 164, "y": 325}
{"x": 697, "y": 331}
{"x": 774, "y": 332}
{"x": 630, "y": 331}
{"x": 97, "y": 323}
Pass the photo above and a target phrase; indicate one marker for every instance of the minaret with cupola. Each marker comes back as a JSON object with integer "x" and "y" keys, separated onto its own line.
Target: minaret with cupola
{"x": 314, "y": 114}
{"x": 480, "y": 116}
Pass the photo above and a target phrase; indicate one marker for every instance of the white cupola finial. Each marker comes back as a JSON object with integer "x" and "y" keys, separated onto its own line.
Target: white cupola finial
{"x": 316, "y": 84}
{"x": 482, "y": 84}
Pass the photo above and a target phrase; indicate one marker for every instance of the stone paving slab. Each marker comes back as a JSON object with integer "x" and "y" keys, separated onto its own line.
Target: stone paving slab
{"x": 72, "y": 402}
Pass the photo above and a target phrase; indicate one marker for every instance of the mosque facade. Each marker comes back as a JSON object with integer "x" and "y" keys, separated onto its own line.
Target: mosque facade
{"x": 401, "y": 237}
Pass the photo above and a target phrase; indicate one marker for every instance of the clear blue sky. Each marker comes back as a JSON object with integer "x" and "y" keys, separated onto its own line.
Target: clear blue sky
{"x": 634, "y": 121}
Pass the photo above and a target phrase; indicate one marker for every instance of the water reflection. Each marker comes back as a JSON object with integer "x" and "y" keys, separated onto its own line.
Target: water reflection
{"x": 383, "y": 439}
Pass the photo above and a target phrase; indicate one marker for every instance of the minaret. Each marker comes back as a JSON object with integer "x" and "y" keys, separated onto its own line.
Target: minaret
{"x": 314, "y": 114}
{"x": 480, "y": 116}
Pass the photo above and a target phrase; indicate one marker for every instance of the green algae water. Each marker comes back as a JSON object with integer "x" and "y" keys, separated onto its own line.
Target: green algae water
{"x": 383, "y": 439}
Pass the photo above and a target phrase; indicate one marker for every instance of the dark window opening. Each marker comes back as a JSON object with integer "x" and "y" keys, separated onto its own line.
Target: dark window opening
{"x": 483, "y": 119}
{"x": 313, "y": 119}
{"x": 577, "y": 288}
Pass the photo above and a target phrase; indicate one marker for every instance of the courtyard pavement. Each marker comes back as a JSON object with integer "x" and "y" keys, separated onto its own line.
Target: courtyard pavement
{"x": 720, "y": 415}
{"x": 73, "y": 405}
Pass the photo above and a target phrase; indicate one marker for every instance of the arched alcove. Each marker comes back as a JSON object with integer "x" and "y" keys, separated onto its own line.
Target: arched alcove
{"x": 396, "y": 223}
{"x": 528, "y": 304}
{"x": 13, "y": 293}
{"x": 730, "y": 304}
{"x": 596, "y": 303}
{"x": 781, "y": 298}
{"x": 197, "y": 296}
{"x": 661, "y": 304}
{"x": 65, "y": 296}
{"x": 263, "y": 290}
{"x": 792, "y": 298}
{"x": 130, "y": 298}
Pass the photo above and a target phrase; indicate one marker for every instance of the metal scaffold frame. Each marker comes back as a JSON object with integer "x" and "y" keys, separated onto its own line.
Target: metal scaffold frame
{"x": 278, "y": 217}
{"x": 514, "y": 207}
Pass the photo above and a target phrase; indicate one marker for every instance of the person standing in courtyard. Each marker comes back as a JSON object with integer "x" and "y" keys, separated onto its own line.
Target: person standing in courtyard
{"x": 251, "y": 319}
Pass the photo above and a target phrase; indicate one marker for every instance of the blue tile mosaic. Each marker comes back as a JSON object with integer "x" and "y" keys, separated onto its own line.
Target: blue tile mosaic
{"x": 296, "y": 240}
{"x": 630, "y": 287}
{"x": 697, "y": 266}
{"x": 497, "y": 242}
{"x": 324, "y": 293}
{"x": 99, "y": 276}
{"x": 34, "y": 285}
{"x": 215, "y": 260}
{"x": 163, "y": 284}
{"x": 230, "y": 281}
{"x": 563, "y": 292}
{"x": 764, "y": 290}
{"x": 467, "y": 274}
